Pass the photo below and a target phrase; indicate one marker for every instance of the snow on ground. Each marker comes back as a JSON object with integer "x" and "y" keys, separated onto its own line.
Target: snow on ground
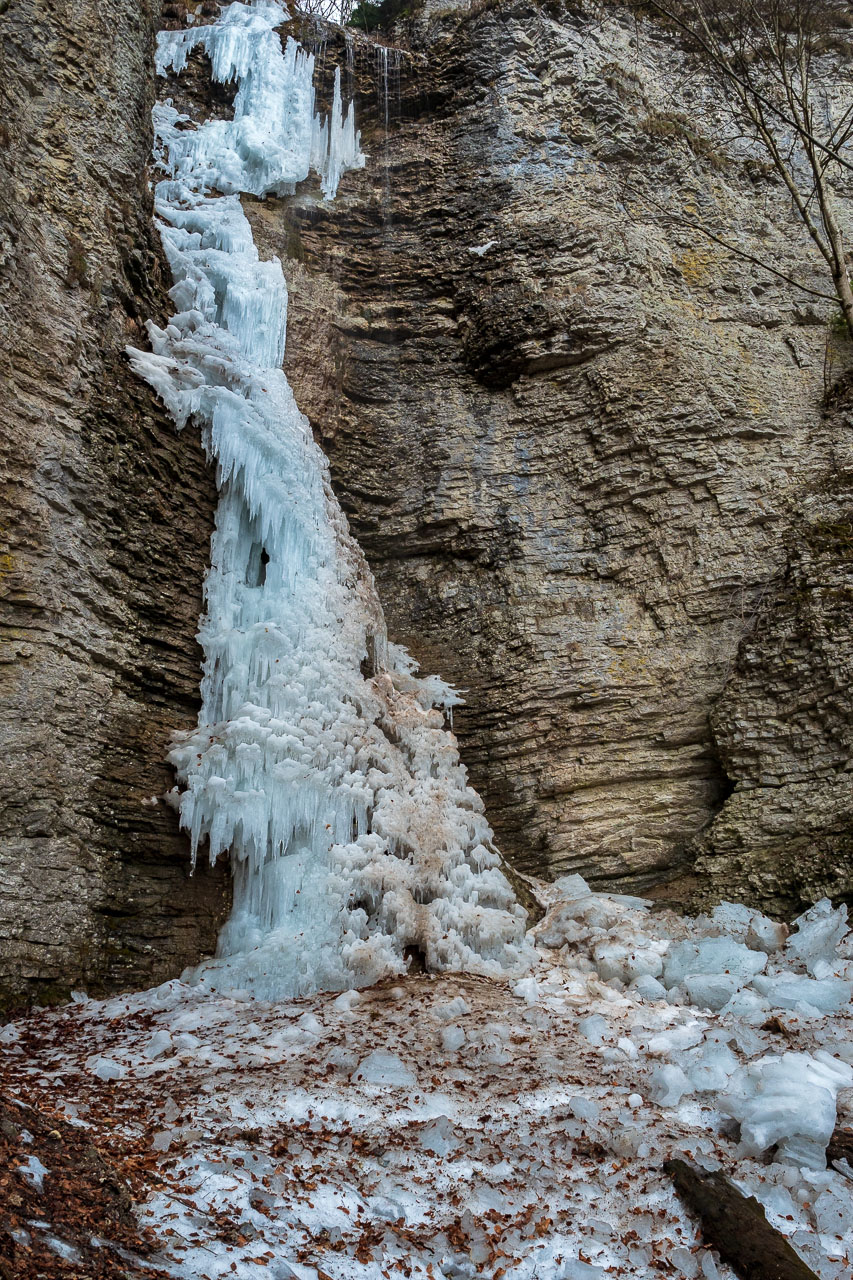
{"x": 460, "y": 1126}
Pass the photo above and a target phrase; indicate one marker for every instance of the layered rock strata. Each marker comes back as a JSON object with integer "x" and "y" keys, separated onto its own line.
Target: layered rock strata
{"x": 575, "y": 436}
{"x": 106, "y": 516}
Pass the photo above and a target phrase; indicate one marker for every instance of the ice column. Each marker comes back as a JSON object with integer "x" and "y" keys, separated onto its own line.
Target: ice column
{"x": 320, "y": 762}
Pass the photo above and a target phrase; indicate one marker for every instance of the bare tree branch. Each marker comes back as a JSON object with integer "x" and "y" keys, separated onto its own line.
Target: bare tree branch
{"x": 630, "y": 193}
{"x": 764, "y": 55}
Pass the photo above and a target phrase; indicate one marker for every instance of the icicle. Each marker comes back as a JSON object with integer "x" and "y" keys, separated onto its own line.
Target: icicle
{"x": 338, "y": 794}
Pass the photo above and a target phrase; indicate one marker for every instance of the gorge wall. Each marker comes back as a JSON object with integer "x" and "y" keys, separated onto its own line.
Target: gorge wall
{"x": 585, "y": 450}
{"x": 105, "y": 519}
{"x": 583, "y": 446}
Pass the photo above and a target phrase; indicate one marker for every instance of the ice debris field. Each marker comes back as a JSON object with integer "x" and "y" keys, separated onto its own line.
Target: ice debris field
{"x": 458, "y": 1126}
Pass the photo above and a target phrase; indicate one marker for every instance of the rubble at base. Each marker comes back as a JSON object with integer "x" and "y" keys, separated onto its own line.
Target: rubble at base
{"x": 458, "y": 1126}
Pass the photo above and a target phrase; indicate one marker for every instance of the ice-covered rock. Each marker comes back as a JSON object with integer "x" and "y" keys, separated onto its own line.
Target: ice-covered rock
{"x": 321, "y": 763}
{"x": 816, "y": 937}
{"x": 789, "y": 1102}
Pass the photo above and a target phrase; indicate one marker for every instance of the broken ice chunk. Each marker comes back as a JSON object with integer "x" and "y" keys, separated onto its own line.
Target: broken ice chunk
{"x": 745, "y": 924}
{"x": 455, "y": 1008}
{"x": 712, "y": 990}
{"x": 105, "y": 1068}
{"x": 63, "y": 1250}
{"x": 713, "y": 1064}
{"x": 384, "y": 1067}
{"x": 574, "y": 1269}
{"x": 712, "y": 955}
{"x": 648, "y": 987}
{"x": 572, "y": 887}
{"x": 817, "y": 934}
{"x": 584, "y": 1108}
{"x": 790, "y": 990}
{"x": 614, "y": 960}
{"x": 665, "y": 1043}
{"x": 834, "y": 1212}
{"x": 527, "y": 989}
{"x": 480, "y": 250}
{"x": 747, "y": 1005}
{"x": 668, "y": 1085}
{"x": 452, "y": 1038}
{"x": 159, "y": 1043}
{"x": 765, "y": 934}
{"x": 34, "y": 1172}
{"x": 438, "y": 1137}
{"x": 594, "y": 1028}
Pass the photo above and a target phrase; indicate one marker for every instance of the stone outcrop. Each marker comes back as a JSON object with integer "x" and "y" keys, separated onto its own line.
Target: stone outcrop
{"x": 105, "y": 518}
{"x": 784, "y": 728}
{"x": 581, "y": 443}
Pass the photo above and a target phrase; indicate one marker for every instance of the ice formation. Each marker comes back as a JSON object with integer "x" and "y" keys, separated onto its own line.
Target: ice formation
{"x": 789, "y": 1102}
{"x": 320, "y": 761}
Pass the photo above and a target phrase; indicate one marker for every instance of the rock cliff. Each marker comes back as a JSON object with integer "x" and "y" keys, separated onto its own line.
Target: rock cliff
{"x": 582, "y": 444}
{"x": 105, "y": 519}
{"x": 585, "y": 450}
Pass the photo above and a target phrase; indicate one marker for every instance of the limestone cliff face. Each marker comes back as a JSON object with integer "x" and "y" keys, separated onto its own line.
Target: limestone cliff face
{"x": 105, "y": 517}
{"x": 783, "y": 723}
{"x": 578, "y": 440}
{"x": 582, "y": 446}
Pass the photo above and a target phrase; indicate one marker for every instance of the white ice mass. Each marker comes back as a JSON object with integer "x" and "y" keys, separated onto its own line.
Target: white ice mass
{"x": 338, "y": 794}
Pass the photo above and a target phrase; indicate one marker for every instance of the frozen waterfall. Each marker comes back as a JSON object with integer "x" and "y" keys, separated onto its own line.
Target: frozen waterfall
{"x": 330, "y": 779}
